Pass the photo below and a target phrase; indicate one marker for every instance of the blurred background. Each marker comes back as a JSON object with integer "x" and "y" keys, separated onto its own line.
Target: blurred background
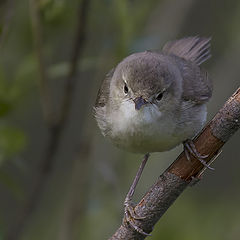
{"x": 59, "y": 178}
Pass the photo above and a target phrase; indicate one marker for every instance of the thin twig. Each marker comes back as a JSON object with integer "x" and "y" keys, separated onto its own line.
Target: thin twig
{"x": 182, "y": 172}
{"x": 55, "y": 128}
{"x": 45, "y": 95}
{"x": 8, "y": 14}
{"x": 76, "y": 53}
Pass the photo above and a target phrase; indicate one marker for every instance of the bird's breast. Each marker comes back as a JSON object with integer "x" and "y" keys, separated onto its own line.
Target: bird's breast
{"x": 144, "y": 130}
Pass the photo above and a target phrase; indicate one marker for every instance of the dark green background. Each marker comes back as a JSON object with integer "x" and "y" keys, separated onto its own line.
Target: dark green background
{"x": 83, "y": 193}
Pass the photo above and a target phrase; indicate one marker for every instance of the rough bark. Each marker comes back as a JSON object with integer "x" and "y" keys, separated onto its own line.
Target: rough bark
{"x": 182, "y": 172}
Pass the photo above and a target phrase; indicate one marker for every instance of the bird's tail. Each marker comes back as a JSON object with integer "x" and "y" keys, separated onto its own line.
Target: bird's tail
{"x": 194, "y": 49}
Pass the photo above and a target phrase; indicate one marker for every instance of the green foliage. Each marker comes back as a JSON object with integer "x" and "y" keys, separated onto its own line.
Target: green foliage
{"x": 24, "y": 80}
{"x": 130, "y": 18}
{"x": 12, "y": 141}
{"x": 5, "y": 107}
{"x": 12, "y": 185}
{"x": 52, "y": 10}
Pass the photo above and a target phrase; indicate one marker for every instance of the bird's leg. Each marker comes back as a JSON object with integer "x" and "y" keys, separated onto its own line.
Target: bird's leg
{"x": 189, "y": 148}
{"x": 129, "y": 212}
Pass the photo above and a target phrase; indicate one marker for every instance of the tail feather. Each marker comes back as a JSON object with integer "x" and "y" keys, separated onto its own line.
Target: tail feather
{"x": 195, "y": 49}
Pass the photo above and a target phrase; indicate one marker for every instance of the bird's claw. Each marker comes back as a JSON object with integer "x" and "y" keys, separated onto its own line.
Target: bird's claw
{"x": 129, "y": 210}
{"x": 189, "y": 148}
{"x": 130, "y": 216}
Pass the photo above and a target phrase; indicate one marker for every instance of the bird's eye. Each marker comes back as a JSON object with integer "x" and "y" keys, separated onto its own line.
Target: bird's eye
{"x": 159, "y": 96}
{"x": 125, "y": 89}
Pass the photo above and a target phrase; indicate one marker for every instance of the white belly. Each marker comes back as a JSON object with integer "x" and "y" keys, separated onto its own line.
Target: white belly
{"x": 147, "y": 130}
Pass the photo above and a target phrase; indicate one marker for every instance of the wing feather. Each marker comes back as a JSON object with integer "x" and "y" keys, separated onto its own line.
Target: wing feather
{"x": 103, "y": 93}
{"x": 189, "y": 53}
{"x": 194, "y": 49}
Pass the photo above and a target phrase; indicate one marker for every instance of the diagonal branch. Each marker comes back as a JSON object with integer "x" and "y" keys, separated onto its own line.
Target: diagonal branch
{"x": 181, "y": 172}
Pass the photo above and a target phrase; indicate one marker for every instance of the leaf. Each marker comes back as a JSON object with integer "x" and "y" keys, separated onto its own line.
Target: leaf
{"x": 52, "y": 9}
{"x": 12, "y": 184}
{"x": 24, "y": 78}
{"x": 5, "y": 104}
{"x": 61, "y": 69}
{"x": 12, "y": 141}
{"x": 5, "y": 107}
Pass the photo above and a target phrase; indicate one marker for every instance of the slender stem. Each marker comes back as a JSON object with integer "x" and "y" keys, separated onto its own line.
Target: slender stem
{"x": 6, "y": 21}
{"x": 45, "y": 94}
{"x": 76, "y": 53}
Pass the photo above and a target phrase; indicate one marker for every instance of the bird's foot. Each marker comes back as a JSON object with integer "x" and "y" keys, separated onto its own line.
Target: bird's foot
{"x": 189, "y": 148}
{"x": 130, "y": 216}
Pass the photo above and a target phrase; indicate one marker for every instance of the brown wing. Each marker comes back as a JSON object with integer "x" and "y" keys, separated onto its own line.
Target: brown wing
{"x": 103, "y": 93}
{"x": 197, "y": 86}
{"x": 190, "y": 53}
{"x": 193, "y": 49}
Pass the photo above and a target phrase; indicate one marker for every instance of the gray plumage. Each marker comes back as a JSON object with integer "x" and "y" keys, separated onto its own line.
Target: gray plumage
{"x": 173, "y": 76}
{"x": 103, "y": 92}
{"x": 193, "y": 49}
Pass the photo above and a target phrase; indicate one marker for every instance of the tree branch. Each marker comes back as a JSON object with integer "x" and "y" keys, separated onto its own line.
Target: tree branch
{"x": 45, "y": 95}
{"x": 76, "y": 53}
{"x": 8, "y": 14}
{"x": 182, "y": 172}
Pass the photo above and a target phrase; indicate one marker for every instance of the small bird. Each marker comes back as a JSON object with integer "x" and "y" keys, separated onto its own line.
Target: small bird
{"x": 154, "y": 100}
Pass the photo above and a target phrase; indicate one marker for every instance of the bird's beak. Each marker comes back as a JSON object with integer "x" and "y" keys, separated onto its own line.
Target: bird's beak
{"x": 139, "y": 102}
